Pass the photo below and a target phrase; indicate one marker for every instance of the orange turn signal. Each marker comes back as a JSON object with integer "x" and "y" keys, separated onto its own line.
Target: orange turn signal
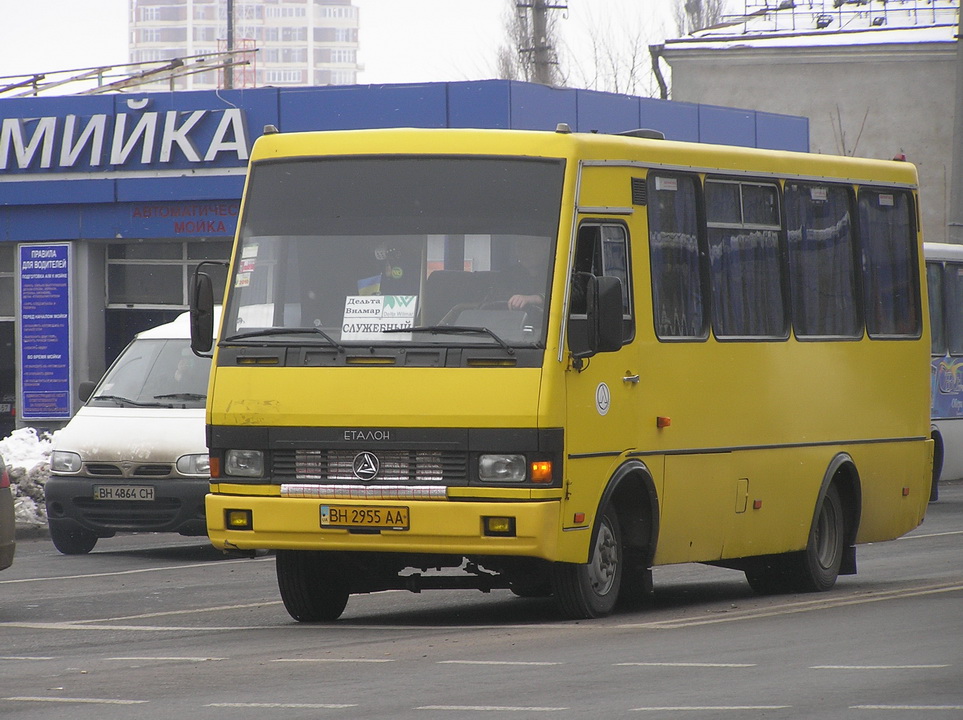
{"x": 541, "y": 471}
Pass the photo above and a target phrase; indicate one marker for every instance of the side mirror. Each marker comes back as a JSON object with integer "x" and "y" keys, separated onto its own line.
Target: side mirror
{"x": 605, "y": 313}
{"x": 85, "y": 390}
{"x": 596, "y": 322}
{"x": 202, "y": 313}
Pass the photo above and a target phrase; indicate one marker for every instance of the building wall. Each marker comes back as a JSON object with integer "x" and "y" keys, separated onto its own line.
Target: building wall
{"x": 865, "y": 100}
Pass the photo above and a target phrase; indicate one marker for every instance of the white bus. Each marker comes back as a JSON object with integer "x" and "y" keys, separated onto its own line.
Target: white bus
{"x": 944, "y": 275}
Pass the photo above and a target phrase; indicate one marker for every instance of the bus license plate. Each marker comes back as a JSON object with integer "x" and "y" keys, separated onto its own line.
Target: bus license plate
{"x": 364, "y": 516}
{"x": 123, "y": 492}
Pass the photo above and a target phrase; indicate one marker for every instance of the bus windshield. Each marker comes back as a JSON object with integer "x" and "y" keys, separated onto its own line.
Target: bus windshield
{"x": 394, "y": 251}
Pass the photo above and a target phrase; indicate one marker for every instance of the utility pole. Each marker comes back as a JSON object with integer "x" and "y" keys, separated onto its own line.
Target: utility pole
{"x": 229, "y": 66}
{"x": 540, "y": 48}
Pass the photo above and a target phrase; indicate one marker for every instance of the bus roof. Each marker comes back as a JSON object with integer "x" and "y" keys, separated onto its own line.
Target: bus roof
{"x": 589, "y": 148}
{"x": 942, "y": 251}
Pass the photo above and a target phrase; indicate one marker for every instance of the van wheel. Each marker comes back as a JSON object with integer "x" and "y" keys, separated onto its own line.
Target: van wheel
{"x": 591, "y": 590}
{"x": 312, "y": 585}
{"x": 816, "y": 568}
{"x": 71, "y": 539}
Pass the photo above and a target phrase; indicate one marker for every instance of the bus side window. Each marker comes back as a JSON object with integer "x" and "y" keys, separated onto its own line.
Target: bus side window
{"x": 953, "y": 297}
{"x": 822, "y": 260}
{"x": 677, "y": 258}
{"x": 745, "y": 259}
{"x": 934, "y": 289}
{"x": 887, "y": 234}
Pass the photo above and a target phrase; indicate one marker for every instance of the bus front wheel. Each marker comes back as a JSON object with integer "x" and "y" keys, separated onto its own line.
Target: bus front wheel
{"x": 312, "y": 585}
{"x": 814, "y": 569}
{"x": 591, "y": 590}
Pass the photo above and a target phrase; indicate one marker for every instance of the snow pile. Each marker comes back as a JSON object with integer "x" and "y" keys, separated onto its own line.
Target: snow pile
{"x": 27, "y": 456}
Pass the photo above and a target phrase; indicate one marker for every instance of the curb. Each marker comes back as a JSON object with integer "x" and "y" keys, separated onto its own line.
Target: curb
{"x": 30, "y": 531}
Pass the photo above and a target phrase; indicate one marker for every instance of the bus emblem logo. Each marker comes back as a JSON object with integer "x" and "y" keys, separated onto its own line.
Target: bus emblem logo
{"x": 365, "y": 466}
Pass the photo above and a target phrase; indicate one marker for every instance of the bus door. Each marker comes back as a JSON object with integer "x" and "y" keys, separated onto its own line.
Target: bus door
{"x": 602, "y": 390}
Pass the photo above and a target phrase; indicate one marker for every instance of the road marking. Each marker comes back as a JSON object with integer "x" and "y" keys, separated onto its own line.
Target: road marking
{"x": 685, "y": 664}
{"x": 25, "y": 658}
{"x": 922, "y": 708}
{"x": 876, "y": 667}
{"x": 139, "y": 571}
{"x": 159, "y": 658}
{"x": 333, "y": 660}
{"x": 705, "y": 708}
{"x": 495, "y": 662}
{"x": 491, "y": 708}
{"x": 84, "y": 625}
{"x": 89, "y": 701}
{"x": 798, "y": 607}
{"x": 310, "y": 706}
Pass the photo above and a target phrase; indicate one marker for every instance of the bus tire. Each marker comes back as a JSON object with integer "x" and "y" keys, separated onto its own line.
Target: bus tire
{"x": 591, "y": 590}
{"x": 814, "y": 569}
{"x": 311, "y": 584}
{"x": 70, "y": 538}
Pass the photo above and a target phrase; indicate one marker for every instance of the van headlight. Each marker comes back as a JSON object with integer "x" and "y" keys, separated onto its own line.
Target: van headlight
{"x": 244, "y": 463}
{"x": 199, "y": 464}
{"x": 63, "y": 461}
{"x": 501, "y": 468}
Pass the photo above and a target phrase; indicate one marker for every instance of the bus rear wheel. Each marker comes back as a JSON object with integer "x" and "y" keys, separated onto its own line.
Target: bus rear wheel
{"x": 313, "y": 588}
{"x": 814, "y": 569}
{"x": 591, "y": 590}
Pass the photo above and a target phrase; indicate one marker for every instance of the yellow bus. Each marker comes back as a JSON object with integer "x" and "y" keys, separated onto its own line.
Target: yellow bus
{"x": 550, "y": 361}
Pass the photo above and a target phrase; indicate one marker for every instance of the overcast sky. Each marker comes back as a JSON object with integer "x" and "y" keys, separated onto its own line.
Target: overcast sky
{"x": 401, "y": 40}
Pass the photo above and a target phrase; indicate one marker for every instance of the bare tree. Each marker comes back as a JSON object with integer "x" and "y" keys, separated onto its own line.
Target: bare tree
{"x": 692, "y": 15}
{"x": 531, "y": 52}
{"x": 613, "y": 53}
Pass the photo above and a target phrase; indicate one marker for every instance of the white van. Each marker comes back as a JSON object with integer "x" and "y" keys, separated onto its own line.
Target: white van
{"x": 134, "y": 457}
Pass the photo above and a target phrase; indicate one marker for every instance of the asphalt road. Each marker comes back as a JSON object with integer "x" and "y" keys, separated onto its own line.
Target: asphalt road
{"x": 159, "y": 626}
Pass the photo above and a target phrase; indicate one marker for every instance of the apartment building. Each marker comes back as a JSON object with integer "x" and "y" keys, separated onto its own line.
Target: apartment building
{"x": 278, "y": 43}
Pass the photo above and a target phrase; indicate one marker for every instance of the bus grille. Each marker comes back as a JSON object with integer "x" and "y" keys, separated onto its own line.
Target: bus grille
{"x": 396, "y": 466}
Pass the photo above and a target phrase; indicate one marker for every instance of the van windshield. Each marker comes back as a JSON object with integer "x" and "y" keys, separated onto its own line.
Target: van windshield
{"x": 460, "y": 250}
{"x": 155, "y": 373}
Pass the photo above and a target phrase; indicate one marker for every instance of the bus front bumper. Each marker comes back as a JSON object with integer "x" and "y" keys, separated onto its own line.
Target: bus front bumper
{"x": 523, "y": 529}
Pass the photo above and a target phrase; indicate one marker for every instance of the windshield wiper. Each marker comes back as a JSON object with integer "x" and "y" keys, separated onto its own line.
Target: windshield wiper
{"x": 181, "y": 396}
{"x": 455, "y": 330}
{"x": 265, "y": 332}
{"x": 122, "y": 401}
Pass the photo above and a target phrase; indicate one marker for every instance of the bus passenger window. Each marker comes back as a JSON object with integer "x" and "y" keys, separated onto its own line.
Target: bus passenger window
{"x": 822, "y": 261}
{"x": 676, "y": 256}
{"x": 953, "y": 297}
{"x": 889, "y": 263}
{"x": 744, "y": 256}
{"x": 934, "y": 289}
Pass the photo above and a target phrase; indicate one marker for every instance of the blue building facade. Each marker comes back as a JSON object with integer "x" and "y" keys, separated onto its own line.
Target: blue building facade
{"x": 107, "y": 203}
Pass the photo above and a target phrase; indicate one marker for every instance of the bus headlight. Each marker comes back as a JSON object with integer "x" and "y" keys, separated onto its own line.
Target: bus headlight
{"x": 194, "y": 464}
{"x": 501, "y": 468}
{"x": 244, "y": 463}
{"x": 65, "y": 462}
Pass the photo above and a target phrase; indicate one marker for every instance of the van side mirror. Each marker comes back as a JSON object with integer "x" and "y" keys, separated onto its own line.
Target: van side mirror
{"x": 85, "y": 390}
{"x": 600, "y": 328}
{"x": 202, "y": 313}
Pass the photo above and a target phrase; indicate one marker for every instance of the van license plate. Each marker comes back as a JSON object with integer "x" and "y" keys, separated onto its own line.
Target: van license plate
{"x": 123, "y": 492}
{"x": 364, "y": 516}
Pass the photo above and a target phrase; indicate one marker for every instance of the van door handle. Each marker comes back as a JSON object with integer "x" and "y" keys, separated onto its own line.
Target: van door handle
{"x": 631, "y": 378}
